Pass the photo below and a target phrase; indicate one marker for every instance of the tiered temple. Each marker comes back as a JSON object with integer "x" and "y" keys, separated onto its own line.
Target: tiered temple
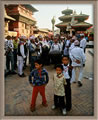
{"x": 76, "y": 21}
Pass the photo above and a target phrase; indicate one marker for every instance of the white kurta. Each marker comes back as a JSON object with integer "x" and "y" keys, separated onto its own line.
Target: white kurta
{"x": 83, "y": 43}
{"x": 77, "y": 53}
{"x": 21, "y": 60}
{"x": 66, "y": 50}
{"x": 71, "y": 47}
{"x": 65, "y": 71}
{"x": 55, "y": 47}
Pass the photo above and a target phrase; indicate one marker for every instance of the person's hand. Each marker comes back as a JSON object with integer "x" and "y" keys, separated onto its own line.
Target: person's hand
{"x": 70, "y": 67}
{"x": 78, "y": 61}
{"x": 45, "y": 84}
{"x": 31, "y": 84}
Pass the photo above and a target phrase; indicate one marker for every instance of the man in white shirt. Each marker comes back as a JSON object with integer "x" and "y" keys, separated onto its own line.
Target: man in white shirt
{"x": 9, "y": 55}
{"x": 78, "y": 60}
{"x": 21, "y": 56}
{"x": 83, "y": 42}
{"x": 67, "y": 45}
{"x": 55, "y": 51}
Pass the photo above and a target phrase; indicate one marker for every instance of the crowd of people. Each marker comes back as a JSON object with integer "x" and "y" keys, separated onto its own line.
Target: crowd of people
{"x": 66, "y": 52}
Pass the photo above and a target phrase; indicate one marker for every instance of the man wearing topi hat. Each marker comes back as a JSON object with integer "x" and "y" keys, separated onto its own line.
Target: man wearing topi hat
{"x": 21, "y": 56}
{"x": 83, "y": 42}
{"x": 78, "y": 60}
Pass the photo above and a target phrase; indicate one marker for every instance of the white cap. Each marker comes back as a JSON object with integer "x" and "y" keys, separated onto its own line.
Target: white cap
{"x": 32, "y": 37}
{"x": 82, "y": 34}
{"x": 40, "y": 36}
{"x": 62, "y": 37}
{"x": 23, "y": 37}
{"x": 74, "y": 37}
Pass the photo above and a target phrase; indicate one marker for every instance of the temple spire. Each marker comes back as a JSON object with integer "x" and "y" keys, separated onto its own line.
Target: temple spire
{"x": 81, "y": 13}
{"x": 74, "y": 12}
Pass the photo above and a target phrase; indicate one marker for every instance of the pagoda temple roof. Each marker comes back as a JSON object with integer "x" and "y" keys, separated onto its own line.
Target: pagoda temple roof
{"x": 62, "y": 24}
{"x": 69, "y": 17}
{"x": 67, "y": 11}
{"x": 85, "y": 24}
{"x": 82, "y": 24}
{"x": 8, "y": 17}
{"x": 30, "y": 7}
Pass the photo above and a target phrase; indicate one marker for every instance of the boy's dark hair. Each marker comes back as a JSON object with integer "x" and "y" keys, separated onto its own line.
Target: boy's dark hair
{"x": 66, "y": 56}
{"x": 39, "y": 61}
{"x": 59, "y": 66}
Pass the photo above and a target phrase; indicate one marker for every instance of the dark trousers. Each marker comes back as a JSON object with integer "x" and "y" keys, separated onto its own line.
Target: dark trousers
{"x": 10, "y": 59}
{"x": 25, "y": 61}
{"x": 59, "y": 101}
{"x": 68, "y": 95}
{"x": 29, "y": 57}
{"x": 33, "y": 59}
{"x": 15, "y": 58}
{"x": 56, "y": 59}
{"x": 45, "y": 58}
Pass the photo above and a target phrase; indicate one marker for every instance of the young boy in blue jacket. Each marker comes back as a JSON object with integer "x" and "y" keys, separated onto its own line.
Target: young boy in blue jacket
{"x": 40, "y": 80}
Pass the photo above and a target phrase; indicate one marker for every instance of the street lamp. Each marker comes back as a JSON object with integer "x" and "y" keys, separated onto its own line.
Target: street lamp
{"x": 53, "y": 22}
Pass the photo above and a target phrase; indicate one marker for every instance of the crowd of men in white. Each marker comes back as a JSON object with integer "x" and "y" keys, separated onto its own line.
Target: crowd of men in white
{"x": 49, "y": 49}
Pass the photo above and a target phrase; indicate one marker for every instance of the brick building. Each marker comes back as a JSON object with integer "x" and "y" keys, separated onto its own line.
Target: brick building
{"x": 8, "y": 19}
{"x": 25, "y": 22}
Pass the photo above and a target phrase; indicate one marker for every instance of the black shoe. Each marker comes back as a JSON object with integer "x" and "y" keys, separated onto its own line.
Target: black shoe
{"x": 23, "y": 75}
{"x": 79, "y": 84}
{"x": 9, "y": 72}
{"x": 13, "y": 73}
{"x": 24, "y": 68}
{"x": 74, "y": 82}
{"x": 68, "y": 109}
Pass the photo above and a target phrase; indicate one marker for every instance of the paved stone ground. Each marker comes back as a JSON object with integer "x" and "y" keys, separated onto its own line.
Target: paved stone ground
{"x": 18, "y": 94}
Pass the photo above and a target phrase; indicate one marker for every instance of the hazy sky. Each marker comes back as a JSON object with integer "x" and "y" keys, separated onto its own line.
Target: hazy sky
{"x": 47, "y": 11}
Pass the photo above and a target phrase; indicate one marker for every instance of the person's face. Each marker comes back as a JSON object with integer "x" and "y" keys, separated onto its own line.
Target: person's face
{"x": 16, "y": 39}
{"x": 55, "y": 40}
{"x": 38, "y": 66}
{"x": 32, "y": 41}
{"x": 58, "y": 70}
{"x": 72, "y": 40}
{"x": 65, "y": 60}
{"x": 41, "y": 39}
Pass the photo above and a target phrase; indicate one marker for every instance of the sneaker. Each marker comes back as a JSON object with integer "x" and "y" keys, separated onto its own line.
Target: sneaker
{"x": 79, "y": 84}
{"x": 45, "y": 104}
{"x": 53, "y": 107}
{"x": 64, "y": 111}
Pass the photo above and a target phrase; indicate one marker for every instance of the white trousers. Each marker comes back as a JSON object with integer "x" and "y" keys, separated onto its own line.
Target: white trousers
{"x": 20, "y": 65}
{"x": 77, "y": 74}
